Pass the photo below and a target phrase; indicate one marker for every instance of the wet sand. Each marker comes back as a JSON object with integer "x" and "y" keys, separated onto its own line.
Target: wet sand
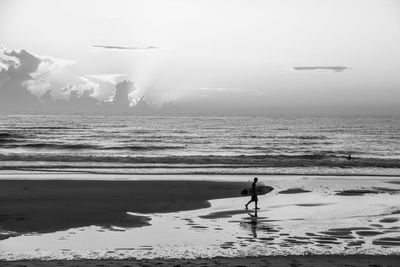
{"x": 47, "y": 206}
{"x": 276, "y": 261}
{"x": 170, "y": 222}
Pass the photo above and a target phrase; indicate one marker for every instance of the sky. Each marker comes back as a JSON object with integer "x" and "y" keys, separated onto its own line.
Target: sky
{"x": 200, "y": 56}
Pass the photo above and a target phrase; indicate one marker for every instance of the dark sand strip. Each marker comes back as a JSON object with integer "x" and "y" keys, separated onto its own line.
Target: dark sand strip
{"x": 361, "y": 192}
{"x": 223, "y": 214}
{"x": 356, "y": 192}
{"x": 48, "y": 205}
{"x": 387, "y": 241}
{"x": 369, "y": 233}
{"x": 387, "y": 190}
{"x": 294, "y": 191}
{"x": 389, "y": 220}
{"x": 276, "y": 261}
{"x": 312, "y": 204}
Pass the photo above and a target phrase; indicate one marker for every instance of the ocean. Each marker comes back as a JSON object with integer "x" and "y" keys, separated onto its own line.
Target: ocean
{"x": 312, "y": 145}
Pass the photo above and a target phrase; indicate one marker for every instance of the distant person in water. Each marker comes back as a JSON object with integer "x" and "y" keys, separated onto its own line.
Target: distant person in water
{"x": 349, "y": 157}
{"x": 254, "y": 197}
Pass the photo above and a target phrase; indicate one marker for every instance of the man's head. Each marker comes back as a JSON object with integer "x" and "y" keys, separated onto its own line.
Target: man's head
{"x": 255, "y": 179}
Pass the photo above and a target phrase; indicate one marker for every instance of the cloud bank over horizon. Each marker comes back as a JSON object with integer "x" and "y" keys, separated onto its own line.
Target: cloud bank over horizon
{"x": 29, "y": 83}
{"x": 26, "y": 86}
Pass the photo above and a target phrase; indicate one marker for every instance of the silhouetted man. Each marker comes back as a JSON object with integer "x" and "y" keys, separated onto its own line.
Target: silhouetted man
{"x": 253, "y": 194}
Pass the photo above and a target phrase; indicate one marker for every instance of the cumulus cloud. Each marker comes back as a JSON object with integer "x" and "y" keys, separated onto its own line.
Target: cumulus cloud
{"x": 121, "y": 100}
{"x": 52, "y": 64}
{"x": 15, "y": 78}
{"x": 116, "y": 47}
{"x": 31, "y": 82}
{"x": 110, "y": 77}
{"x": 6, "y": 60}
{"x": 328, "y": 68}
{"x": 81, "y": 100}
{"x": 75, "y": 101}
{"x": 49, "y": 72}
{"x": 24, "y": 77}
{"x": 103, "y": 84}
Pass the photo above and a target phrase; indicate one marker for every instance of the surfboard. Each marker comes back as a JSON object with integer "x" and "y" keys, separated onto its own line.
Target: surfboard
{"x": 260, "y": 190}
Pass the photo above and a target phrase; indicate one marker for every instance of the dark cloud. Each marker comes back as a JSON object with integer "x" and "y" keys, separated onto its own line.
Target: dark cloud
{"x": 143, "y": 107}
{"x": 14, "y": 79}
{"x": 331, "y": 68}
{"x": 121, "y": 101}
{"x": 74, "y": 102}
{"x": 115, "y": 47}
{"x": 77, "y": 101}
{"x": 19, "y": 74}
{"x": 82, "y": 101}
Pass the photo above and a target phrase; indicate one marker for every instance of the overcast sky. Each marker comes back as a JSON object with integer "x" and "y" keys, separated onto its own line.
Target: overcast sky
{"x": 205, "y": 55}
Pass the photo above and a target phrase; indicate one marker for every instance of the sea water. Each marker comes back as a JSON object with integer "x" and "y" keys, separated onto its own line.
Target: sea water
{"x": 129, "y": 144}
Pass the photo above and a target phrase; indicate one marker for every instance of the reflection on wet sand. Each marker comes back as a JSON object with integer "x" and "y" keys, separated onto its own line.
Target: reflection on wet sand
{"x": 259, "y": 227}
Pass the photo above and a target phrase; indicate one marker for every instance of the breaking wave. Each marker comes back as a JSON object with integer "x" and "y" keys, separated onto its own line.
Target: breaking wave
{"x": 312, "y": 160}
{"x": 78, "y": 146}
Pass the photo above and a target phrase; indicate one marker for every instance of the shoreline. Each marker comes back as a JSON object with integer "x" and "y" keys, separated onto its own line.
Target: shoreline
{"x": 85, "y": 176}
{"x": 304, "y": 261}
{"x": 201, "y": 170}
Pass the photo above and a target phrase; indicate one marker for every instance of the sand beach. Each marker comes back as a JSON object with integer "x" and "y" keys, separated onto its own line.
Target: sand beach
{"x": 198, "y": 221}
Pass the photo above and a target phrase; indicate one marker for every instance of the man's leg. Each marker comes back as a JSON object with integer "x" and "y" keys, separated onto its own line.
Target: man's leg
{"x": 248, "y": 204}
